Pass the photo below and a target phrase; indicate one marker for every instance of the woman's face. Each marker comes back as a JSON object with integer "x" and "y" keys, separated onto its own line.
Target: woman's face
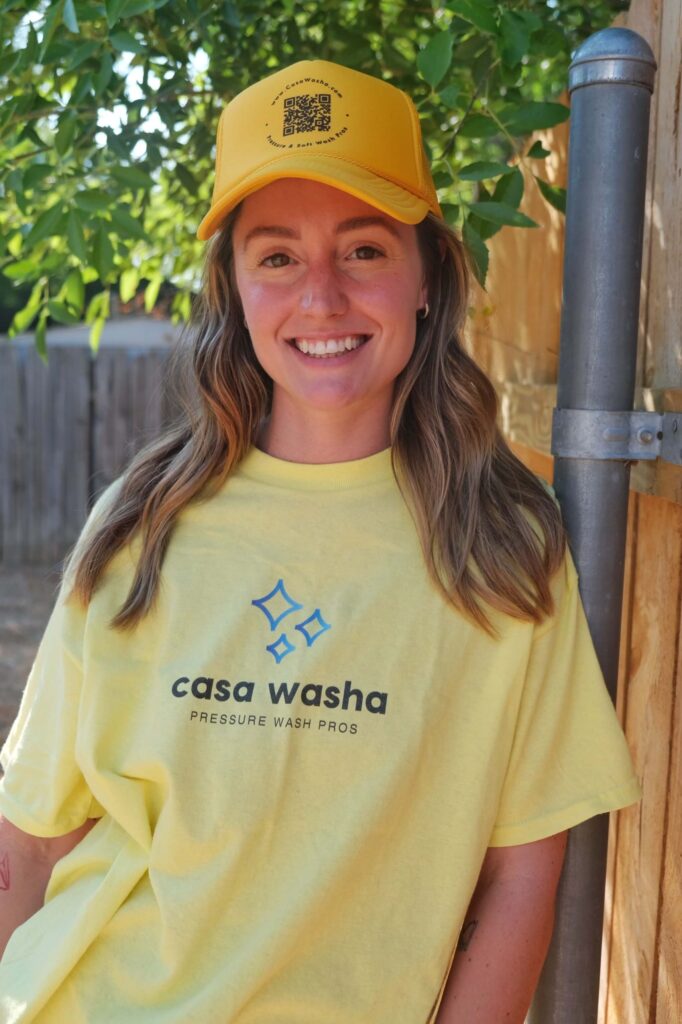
{"x": 330, "y": 288}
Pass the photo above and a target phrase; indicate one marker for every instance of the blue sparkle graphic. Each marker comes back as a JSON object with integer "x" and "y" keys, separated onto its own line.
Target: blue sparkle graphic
{"x": 280, "y": 648}
{"x": 312, "y": 635}
{"x": 277, "y": 594}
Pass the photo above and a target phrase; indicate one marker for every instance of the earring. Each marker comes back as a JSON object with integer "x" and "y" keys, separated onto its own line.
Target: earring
{"x": 423, "y": 312}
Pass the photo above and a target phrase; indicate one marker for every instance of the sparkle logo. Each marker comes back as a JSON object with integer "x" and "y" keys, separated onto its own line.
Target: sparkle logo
{"x": 276, "y": 606}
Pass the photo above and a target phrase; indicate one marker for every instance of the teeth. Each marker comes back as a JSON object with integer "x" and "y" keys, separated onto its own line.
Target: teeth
{"x": 333, "y": 346}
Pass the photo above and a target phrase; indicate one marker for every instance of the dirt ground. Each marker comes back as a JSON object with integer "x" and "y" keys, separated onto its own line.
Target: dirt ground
{"x": 27, "y": 596}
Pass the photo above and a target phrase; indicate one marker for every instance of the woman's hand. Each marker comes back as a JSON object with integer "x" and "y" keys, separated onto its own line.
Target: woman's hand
{"x": 505, "y": 936}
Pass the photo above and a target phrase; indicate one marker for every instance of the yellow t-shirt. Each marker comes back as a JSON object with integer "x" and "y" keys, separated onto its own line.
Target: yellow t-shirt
{"x": 298, "y": 760}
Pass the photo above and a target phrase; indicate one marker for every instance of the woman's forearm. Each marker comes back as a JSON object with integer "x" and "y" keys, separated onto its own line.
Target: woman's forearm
{"x": 23, "y": 880}
{"x": 503, "y": 943}
{"x": 26, "y": 863}
{"x": 499, "y": 956}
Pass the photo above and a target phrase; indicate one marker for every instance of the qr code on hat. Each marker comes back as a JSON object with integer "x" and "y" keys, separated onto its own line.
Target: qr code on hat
{"x": 310, "y": 112}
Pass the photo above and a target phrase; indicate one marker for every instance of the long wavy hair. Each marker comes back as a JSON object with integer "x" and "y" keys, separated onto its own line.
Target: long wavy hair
{"x": 491, "y": 533}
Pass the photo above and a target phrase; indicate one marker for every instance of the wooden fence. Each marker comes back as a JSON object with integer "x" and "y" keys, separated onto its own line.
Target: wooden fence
{"x": 515, "y": 335}
{"x": 66, "y": 431}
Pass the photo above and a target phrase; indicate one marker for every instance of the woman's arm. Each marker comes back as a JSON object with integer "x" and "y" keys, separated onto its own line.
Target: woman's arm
{"x": 26, "y": 863}
{"x": 505, "y": 936}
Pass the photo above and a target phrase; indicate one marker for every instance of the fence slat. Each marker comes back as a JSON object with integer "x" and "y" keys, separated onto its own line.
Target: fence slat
{"x": 66, "y": 431}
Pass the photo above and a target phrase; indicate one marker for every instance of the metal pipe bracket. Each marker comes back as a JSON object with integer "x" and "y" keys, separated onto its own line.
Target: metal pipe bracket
{"x": 624, "y": 436}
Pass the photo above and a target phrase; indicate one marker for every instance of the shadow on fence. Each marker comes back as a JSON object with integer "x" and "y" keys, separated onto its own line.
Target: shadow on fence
{"x": 66, "y": 431}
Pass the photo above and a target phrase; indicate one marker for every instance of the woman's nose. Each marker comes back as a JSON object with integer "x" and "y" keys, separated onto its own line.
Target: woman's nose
{"x": 322, "y": 291}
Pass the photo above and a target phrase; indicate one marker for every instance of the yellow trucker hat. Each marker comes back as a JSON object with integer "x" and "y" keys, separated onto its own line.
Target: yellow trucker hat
{"x": 327, "y": 123}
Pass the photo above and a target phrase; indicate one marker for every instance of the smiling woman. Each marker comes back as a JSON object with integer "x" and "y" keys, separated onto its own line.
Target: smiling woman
{"x": 330, "y": 293}
{"x": 337, "y": 536}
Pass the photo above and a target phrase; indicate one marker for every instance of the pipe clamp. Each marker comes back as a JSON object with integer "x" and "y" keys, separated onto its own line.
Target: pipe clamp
{"x": 623, "y": 436}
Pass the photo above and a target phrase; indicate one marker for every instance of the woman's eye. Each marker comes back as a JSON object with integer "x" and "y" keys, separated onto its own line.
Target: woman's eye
{"x": 362, "y": 250}
{"x": 278, "y": 257}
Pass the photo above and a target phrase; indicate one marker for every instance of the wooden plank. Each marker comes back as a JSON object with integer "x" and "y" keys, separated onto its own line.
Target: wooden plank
{"x": 668, "y": 1003}
{"x": 35, "y": 458}
{"x": 537, "y": 462}
{"x": 644, "y": 17}
{"x": 10, "y": 446}
{"x": 72, "y": 452}
{"x": 621, "y": 698}
{"x": 637, "y": 871}
{"x": 664, "y": 320}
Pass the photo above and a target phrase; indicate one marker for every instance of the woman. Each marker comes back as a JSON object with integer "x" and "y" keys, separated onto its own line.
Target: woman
{"x": 317, "y": 702}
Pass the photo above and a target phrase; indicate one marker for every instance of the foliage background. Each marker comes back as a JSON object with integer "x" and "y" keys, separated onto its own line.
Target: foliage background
{"x": 109, "y": 112}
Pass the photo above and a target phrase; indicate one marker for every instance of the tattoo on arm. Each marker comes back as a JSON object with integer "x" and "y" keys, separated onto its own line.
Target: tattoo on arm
{"x": 467, "y": 934}
{"x": 4, "y": 872}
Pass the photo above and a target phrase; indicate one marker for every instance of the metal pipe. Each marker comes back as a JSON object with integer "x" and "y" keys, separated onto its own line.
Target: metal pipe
{"x": 610, "y": 82}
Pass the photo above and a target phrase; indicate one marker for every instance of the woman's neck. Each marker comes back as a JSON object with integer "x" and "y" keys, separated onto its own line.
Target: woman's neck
{"x": 323, "y": 435}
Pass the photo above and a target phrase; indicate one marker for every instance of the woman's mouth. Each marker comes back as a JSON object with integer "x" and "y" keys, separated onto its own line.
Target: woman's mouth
{"x": 330, "y": 348}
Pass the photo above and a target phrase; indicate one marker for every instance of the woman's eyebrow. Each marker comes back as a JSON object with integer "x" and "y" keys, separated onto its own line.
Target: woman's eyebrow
{"x": 351, "y": 224}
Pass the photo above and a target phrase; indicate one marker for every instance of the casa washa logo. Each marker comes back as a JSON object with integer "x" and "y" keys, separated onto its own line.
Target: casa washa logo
{"x": 301, "y": 631}
{"x": 276, "y": 606}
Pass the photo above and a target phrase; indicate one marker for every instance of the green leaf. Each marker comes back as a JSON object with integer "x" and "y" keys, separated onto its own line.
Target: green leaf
{"x": 186, "y": 178}
{"x": 96, "y": 315}
{"x": 24, "y": 317}
{"x": 554, "y": 195}
{"x": 435, "y": 59}
{"x": 530, "y": 116}
{"x": 14, "y": 182}
{"x": 114, "y": 9}
{"x": 63, "y": 140}
{"x": 94, "y": 200}
{"x": 34, "y": 174}
{"x": 450, "y": 212}
{"x": 537, "y": 151}
{"x": 478, "y": 126}
{"x": 478, "y": 251}
{"x": 75, "y": 236}
{"x": 133, "y": 177}
{"x": 502, "y": 213}
{"x": 45, "y": 225}
{"x": 73, "y": 291}
{"x": 477, "y": 12}
{"x": 509, "y": 188}
{"x": 127, "y": 43}
{"x": 102, "y": 251}
{"x": 515, "y": 38}
{"x": 70, "y": 19}
{"x": 442, "y": 179}
{"x": 40, "y": 336}
{"x": 96, "y": 333}
{"x": 81, "y": 54}
{"x": 482, "y": 169}
{"x": 83, "y": 87}
{"x": 22, "y": 321}
{"x": 127, "y": 226}
{"x": 52, "y": 19}
{"x": 133, "y": 7}
{"x": 22, "y": 270}
{"x": 449, "y": 96}
{"x": 151, "y": 292}
{"x": 61, "y": 313}
{"x": 127, "y": 286}
{"x": 95, "y": 307}
{"x": 104, "y": 74}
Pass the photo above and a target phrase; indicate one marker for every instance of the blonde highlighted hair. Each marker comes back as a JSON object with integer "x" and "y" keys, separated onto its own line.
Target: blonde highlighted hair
{"x": 491, "y": 533}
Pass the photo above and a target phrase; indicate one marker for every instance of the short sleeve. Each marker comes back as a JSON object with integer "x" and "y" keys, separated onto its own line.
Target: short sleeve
{"x": 43, "y": 791}
{"x": 569, "y": 758}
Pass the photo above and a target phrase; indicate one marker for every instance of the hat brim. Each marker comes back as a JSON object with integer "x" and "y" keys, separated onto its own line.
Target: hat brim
{"x": 386, "y": 196}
